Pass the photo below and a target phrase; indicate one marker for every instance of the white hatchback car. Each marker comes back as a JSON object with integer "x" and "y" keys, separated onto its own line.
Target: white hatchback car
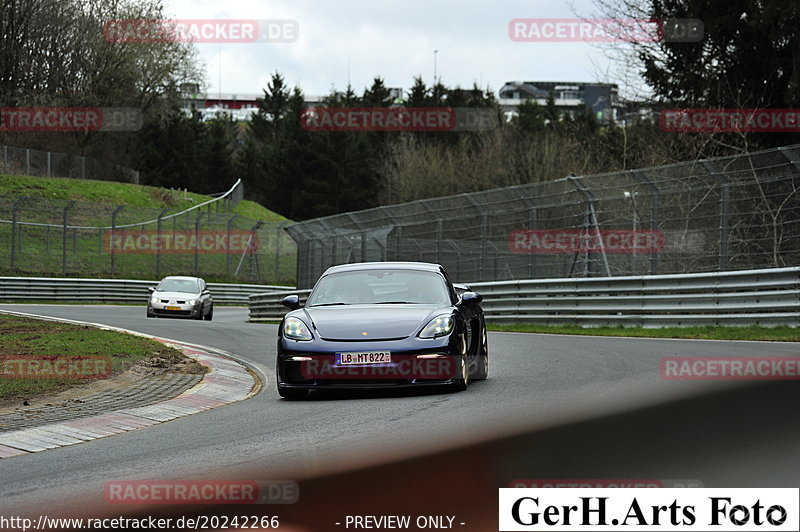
{"x": 181, "y": 297}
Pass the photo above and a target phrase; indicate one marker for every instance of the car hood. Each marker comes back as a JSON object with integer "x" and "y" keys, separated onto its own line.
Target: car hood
{"x": 380, "y": 322}
{"x": 183, "y": 296}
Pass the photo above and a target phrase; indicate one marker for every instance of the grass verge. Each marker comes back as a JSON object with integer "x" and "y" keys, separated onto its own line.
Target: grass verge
{"x": 769, "y": 334}
{"x": 25, "y": 338}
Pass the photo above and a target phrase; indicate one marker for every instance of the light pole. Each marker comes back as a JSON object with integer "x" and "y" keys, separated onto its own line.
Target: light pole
{"x": 435, "y": 52}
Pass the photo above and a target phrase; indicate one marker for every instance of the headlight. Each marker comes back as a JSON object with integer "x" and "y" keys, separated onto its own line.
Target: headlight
{"x": 154, "y": 299}
{"x": 295, "y": 329}
{"x": 439, "y": 326}
{"x": 192, "y": 301}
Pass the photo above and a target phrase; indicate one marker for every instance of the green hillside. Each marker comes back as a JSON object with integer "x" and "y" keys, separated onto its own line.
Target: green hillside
{"x": 114, "y": 193}
{"x": 259, "y": 250}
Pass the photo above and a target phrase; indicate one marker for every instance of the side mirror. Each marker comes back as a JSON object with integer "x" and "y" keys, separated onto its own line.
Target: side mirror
{"x": 470, "y": 298}
{"x": 151, "y": 289}
{"x": 292, "y": 302}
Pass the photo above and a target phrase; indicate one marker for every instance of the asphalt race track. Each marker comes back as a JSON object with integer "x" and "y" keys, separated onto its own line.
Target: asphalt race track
{"x": 554, "y": 407}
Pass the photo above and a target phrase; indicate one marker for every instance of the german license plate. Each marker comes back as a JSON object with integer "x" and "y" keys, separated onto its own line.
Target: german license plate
{"x": 371, "y": 357}
{"x": 173, "y": 308}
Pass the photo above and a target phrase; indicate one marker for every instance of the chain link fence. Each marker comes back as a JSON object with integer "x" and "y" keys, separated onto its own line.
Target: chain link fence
{"x": 74, "y": 238}
{"x": 38, "y": 163}
{"x": 730, "y": 213}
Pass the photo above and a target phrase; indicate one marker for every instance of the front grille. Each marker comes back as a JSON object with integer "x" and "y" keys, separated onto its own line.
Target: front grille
{"x": 173, "y": 312}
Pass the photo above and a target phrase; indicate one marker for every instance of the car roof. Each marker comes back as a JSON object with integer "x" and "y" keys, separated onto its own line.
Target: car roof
{"x": 181, "y": 277}
{"x": 355, "y": 266}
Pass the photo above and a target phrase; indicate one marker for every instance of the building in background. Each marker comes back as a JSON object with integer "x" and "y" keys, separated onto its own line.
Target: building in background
{"x": 243, "y": 105}
{"x": 601, "y": 99}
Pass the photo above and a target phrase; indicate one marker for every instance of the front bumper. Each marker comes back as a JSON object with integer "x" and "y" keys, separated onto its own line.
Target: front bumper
{"x": 175, "y": 310}
{"x": 414, "y": 362}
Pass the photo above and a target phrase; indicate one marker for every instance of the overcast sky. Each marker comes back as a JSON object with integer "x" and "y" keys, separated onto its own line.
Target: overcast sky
{"x": 394, "y": 40}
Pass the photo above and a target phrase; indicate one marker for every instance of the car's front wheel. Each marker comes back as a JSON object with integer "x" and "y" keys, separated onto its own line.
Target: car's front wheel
{"x": 292, "y": 393}
{"x": 482, "y": 362}
{"x": 462, "y": 377}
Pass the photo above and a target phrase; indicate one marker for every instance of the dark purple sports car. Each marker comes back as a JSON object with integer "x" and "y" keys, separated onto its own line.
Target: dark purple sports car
{"x": 382, "y": 324}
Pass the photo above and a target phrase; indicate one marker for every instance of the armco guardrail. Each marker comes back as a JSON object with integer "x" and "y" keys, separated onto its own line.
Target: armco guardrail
{"x": 751, "y": 297}
{"x": 267, "y": 306}
{"x": 110, "y": 290}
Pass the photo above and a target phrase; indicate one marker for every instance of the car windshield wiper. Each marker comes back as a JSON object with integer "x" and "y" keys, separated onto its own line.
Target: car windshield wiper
{"x": 328, "y": 304}
{"x": 394, "y": 303}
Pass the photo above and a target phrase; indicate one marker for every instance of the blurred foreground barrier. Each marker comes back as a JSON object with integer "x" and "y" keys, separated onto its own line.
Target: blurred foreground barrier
{"x": 768, "y": 297}
{"x": 44, "y": 289}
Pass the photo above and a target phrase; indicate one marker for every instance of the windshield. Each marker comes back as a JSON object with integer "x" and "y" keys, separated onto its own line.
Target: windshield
{"x": 380, "y": 287}
{"x": 178, "y": 285}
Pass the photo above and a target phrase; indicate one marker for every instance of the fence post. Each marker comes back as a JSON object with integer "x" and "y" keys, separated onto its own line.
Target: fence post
{"x": 49, "y": 168}
{"x": 334, "y": 248}
{"x": 27, "y": 161}
{"x": 278, "y": 234}
{"x": 724, "y": 214}
{"x": 249, "y": 248}
{"x": 197, "y": 222}
{"x": 532, "y": 220}
{"x": 398, "y": 233}
{"x": 111, "y": 236}
{"x": 363, "y": 248}
{"x": 228, "y": 247}
{"x": 484, "y": 235}
{"x": 654, "y": 214}
{"x": 158, "y": 246}
{"x": 252, "y": 249}
{"x": 591, "y": 220}
{"x": 64, "y": 237}
{"x": 17, "y": 204}
{"x": 5, "y": 159}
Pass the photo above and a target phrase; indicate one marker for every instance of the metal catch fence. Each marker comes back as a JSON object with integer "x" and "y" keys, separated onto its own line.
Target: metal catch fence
{"x": 39, "y": 163}
{"x": 729, "y": 213}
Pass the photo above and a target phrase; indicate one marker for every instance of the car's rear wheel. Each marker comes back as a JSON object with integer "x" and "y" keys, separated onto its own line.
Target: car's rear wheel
{"x": 210, "y": 313}
{"x": 292, "y": 393}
